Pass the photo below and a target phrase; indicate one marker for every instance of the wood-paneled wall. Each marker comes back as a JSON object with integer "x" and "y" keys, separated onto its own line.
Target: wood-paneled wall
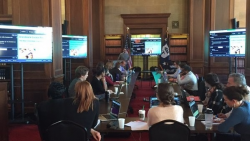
{"x": 206, "y": 15}
{"x": 4, "y": 7}
{"x": 37, "y": 77}
{"x": 86, "y": 17}
{"x": 4, "y": 134}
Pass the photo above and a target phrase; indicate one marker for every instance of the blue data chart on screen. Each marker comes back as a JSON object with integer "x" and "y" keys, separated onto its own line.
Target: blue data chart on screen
{"x": 74, "y": 46}
{"x": 227, "y": 43}
{"x": 20, "y": 44}
{"x": 145, "y": 46}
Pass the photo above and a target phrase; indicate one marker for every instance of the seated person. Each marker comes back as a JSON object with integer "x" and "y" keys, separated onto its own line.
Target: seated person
{"x": 98, "y": 83}
{"x": 49, "y": 111}
{"x": 81, "y": 74}
{"x": 116, "y": 73}
{"x": 214, "y": 95}
{"x": 122, "y": 67}
{"x": 178, "y": 70}
{"x": 188, "y": 80}
{"x": 239, "y": 80}
{"x": 83, "y": 108}
{"x": 239, "y": 119}
{"x": 165, "y": 95}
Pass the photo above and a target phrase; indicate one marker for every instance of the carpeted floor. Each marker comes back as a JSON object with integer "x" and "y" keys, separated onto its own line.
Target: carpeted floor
{"x": 29, "y": 132}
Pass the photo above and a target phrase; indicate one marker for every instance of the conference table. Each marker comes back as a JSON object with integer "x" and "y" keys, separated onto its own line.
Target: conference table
{"x": 125, "y": 98}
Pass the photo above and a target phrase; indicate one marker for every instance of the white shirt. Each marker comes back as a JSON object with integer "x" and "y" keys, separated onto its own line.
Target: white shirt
{"x": 189, "y": 81}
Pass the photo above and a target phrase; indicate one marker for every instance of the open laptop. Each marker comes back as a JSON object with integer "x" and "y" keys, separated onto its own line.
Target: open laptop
{"x": 187, "y": 98}
{"x": 116, "y": 95}
{"x": 114, "y": 112}
{"x": 195, "y": 111}
{"x": 153, "y": 101}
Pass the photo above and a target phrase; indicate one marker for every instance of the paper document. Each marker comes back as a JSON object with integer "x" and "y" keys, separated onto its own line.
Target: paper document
{"x": 214, "y": 123}
{"x": 137, "y": 125}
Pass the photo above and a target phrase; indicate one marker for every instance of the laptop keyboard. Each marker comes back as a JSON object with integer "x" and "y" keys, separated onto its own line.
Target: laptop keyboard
{"x": 109, "y": 117}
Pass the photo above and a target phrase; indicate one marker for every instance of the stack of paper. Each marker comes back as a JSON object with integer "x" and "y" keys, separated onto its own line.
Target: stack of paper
{"x": 137, "y": 125}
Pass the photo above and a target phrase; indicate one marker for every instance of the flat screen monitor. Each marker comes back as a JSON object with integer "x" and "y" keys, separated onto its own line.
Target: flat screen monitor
{"x": 145, "y": 46}
{"x": 227, "y": 43}
{"x": 25, "y": 44}
{"x": 74, "y": 46}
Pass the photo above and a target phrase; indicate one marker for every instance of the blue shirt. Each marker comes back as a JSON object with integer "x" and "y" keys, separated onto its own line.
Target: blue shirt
{"x": 240, "y": 120}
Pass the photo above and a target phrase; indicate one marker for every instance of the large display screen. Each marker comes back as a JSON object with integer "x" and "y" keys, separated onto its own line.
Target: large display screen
{"x": 24, "y": 44}
{"x": 145, "y": 46}
{"x": 228, "y": 43}
{"x": 74, "y": 46}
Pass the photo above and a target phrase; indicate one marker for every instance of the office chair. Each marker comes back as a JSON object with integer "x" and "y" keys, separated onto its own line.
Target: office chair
{"x": 169, "y": 130}
{"x": 66, "y": 131}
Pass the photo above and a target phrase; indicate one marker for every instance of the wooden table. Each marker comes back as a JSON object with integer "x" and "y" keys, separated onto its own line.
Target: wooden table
{"x": 125, "y": 99}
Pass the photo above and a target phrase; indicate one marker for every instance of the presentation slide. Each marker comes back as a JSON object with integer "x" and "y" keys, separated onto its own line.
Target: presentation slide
{"x": 237, "y": 44}
{"x": 33, "y": 46}
{"x": 78, "y": 48}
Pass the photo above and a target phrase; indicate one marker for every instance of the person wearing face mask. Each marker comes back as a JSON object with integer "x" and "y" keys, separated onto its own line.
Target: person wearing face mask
{"x": 81, "y": 74}
{"x": 178, "y": 70}
{"x": 214, "y": 95}
{"x": 235, "y": 79}
{"x": 239, "y": 118}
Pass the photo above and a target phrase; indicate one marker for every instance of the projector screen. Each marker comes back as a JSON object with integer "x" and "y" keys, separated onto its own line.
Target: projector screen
{"x": 228, "y": 43}
{"x": 74, "y": 46}
{"x": 25, "y": 44}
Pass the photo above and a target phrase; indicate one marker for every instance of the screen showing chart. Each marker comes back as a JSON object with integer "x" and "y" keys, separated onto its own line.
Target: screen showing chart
{"x": 145, "y": 46}
{"x": 24, "y": 44}
{"x": 228, "y": 43}
{"x": 74, "y": 46}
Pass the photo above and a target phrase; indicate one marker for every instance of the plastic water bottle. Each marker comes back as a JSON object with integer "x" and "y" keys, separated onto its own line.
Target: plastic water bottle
{"x": 209, "y": 118}
{"x": 165, "y": 77}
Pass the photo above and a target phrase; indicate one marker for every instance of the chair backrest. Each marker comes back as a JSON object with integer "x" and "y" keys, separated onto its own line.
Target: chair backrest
{"x": 137, "y": 69}
{"x": 66, "y": 131}
{"x": 169, "y": 130}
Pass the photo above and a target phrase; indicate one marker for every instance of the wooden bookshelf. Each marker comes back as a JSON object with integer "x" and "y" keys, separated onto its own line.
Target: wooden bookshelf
{"x": 113, "y": 46}
{"x": 178, "y": 46}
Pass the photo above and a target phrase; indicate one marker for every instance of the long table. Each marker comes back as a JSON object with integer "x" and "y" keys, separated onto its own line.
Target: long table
{"x": 125, "y": 99}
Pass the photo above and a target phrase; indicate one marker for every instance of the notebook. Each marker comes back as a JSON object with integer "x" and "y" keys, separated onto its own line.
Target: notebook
{"x": 114, "y": 112}
{"x": 195, "y": 111}
{"x": 153, "y": 100}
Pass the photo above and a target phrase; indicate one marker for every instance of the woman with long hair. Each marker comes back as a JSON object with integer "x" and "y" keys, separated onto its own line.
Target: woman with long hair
{"x": 85, "y": 108}
{"x": 165, "y": 95}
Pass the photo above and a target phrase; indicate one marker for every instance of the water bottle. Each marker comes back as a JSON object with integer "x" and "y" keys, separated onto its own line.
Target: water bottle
{"x": 165, "y": 76}
{"x": 209, "y": 118}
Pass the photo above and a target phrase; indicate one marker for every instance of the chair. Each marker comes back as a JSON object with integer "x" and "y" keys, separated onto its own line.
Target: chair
{"x": 201, "y": 88}
{"x": 66, "y": 131}
{"x": 169, "y": 130}
{"x": 138, "y": 69}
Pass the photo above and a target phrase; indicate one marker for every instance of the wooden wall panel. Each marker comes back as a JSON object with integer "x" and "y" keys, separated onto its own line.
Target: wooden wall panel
{"x": 247, "y": 56}
{"x": 4, "y": 133}
{"x": 196, "y": 34}
{"x": 4, "y": 7}
{"x": 37, "y": 76}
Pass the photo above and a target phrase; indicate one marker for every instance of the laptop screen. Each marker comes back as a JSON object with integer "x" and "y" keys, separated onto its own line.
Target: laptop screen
{"x": 194, "y": 108}
{"x": 115, "y": 109}
{"x": 153, "y": 101}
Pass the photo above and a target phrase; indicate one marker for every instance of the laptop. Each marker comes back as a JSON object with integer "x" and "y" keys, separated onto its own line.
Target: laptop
{"x": 116, "y": 95}
{"x": 153, "y": 101}
{"x": 194, "y": 109}
{"x": 114, "y": 112}
{"x": 187, "y": 98}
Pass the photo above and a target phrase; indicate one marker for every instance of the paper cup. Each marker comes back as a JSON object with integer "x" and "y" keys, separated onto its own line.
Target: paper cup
{"x": 191, "y": 120}
{"x": 121, "y": 122}
{"x": 159, "y": 81}
{"x": 116, "y": 90}
{"x": 142, "y": 114}
{"x": 200, "y": 108}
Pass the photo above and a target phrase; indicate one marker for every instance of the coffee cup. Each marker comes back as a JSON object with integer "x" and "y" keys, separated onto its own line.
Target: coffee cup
{"x": 191, "y": 120}
{"x": 200, "y": 108}
{"x": 142, "y": 114}
{"x": 121, "y": 122}
{"x": 116, "y": 90}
